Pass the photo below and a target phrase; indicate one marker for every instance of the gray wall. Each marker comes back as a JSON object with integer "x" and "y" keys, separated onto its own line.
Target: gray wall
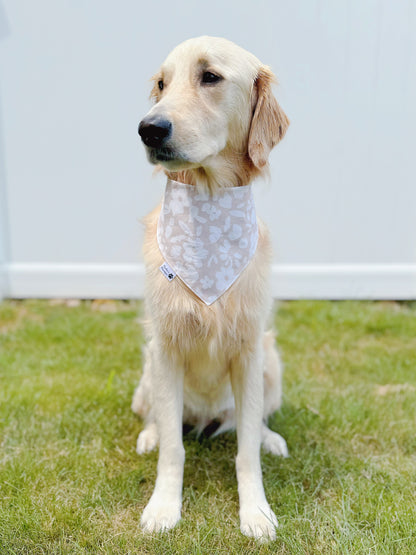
{"x": 74, "y": 180}
{"x": 4, "y": 227}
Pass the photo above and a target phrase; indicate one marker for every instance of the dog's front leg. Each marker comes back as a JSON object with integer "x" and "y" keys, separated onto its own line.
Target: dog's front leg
{"x": 256, "y": 517}
{"x": 164, "y": 508}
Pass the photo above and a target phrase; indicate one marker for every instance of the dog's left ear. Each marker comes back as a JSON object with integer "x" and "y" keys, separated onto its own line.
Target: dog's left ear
{"x": 269, "y": 123}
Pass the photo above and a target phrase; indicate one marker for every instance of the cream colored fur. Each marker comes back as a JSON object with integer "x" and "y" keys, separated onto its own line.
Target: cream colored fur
{"x": 204, "y": 362}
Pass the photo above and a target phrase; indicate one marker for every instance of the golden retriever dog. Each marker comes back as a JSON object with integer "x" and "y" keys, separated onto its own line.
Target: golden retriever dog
{"x": 211, "y": 128}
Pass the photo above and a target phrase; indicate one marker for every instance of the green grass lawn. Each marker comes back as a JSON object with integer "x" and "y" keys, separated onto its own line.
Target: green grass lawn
{"x": 71, "y": 482}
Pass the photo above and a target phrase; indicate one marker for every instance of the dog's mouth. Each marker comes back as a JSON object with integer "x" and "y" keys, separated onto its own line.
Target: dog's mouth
{"x": 164, "y": 154}
{"x": 167, "y": 156}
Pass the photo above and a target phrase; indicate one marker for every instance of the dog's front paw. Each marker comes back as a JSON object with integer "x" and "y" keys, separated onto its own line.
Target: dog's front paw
{"x": 160, "y": 514}
{"x": 259, "y": 522}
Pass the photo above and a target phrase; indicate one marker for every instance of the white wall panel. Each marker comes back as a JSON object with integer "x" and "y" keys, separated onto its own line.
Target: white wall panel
{"x": 4, "y": 227}
{"x": 74, "y": 181}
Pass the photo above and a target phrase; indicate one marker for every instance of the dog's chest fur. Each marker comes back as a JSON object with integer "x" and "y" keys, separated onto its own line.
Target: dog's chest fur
{"x": 185, "y": 325}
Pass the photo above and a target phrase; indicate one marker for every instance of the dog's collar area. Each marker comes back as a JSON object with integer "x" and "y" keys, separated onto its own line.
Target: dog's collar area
{"x": 207, "y": 239}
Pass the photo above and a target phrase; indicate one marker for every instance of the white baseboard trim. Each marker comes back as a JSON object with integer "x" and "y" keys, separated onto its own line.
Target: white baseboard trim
{"x": 85, "y": 281}
{"x": 3, "y": 282}
{"x": 344, "y": 281}
{"x": 289, "y": 281}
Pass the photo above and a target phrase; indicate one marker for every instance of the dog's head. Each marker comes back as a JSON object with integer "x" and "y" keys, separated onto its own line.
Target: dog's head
{"x": 212, "y": 99}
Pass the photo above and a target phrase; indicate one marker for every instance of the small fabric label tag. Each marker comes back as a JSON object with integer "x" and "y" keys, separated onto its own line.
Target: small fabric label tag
{"x": 167, "y": 271}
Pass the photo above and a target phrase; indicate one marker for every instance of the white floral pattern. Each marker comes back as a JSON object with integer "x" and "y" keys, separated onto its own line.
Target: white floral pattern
{"x": 207, "y": 240}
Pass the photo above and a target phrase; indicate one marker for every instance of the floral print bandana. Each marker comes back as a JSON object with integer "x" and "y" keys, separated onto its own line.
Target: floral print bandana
{"x": 206, "y": 240}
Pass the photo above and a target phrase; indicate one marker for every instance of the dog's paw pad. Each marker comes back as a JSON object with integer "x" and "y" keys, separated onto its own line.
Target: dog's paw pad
{"x": 147, "y": 440}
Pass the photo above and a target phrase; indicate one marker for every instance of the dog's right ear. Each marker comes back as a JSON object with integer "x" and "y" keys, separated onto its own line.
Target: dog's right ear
{"x": 269, "y": 123}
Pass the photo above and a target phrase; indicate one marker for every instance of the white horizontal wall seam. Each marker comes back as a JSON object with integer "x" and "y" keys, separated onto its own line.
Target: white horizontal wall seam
{"x": 288, "y": 281}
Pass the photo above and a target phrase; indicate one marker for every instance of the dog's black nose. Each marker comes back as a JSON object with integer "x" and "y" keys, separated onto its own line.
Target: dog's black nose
{"x": 155, "y": 131}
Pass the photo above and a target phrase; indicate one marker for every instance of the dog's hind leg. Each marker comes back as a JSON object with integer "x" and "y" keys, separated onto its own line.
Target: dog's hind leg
{"x": 142, "y": 397}
{"x": 148, "y": 438}
{"x": 271, "y": 441}
{"x": 142, "y": 405}
{"x": 272, "y": 375}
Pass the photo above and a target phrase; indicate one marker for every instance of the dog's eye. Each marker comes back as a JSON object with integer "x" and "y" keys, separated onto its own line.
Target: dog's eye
{"x": 208, "y": 77}
{"x": 160, "y": 85}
